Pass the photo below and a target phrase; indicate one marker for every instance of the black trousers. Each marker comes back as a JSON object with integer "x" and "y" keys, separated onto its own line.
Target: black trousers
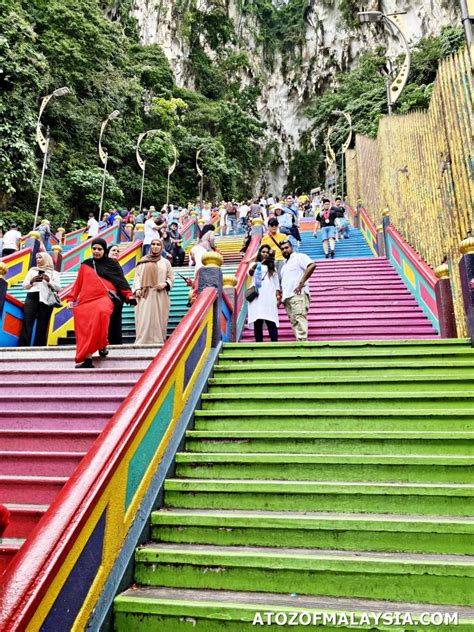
{"x": 8, "y": 251}
{"x": 115, "y": 325}
{"x": 33, "y": 311}
{"x": 178, "y": 256}
{"x": 258, "y": 330}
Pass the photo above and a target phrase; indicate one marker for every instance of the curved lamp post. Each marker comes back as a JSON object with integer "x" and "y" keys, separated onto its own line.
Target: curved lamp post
{"x": 43, "y": 142}
{"x": 330, "y": 156}
{"x": 104, "y": 156}
{"x": 141, "y": 162}
{"x": 201, "y": 174}
{"x": 171, "y": 168}
{"x": 345, "y": 144}
{"x": 393, "y": 20}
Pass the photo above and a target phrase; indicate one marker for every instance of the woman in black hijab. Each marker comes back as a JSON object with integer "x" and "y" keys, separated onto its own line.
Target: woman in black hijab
{"x": 99, "y": 285}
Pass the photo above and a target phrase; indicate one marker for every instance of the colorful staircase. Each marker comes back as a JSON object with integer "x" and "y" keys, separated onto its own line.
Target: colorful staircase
{"x": 50, "y": 414}
{"x": 317, "y": 477}
{"x": 356, "y": 297}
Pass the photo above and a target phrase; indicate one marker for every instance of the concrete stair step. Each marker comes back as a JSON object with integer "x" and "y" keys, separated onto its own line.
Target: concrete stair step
{"x": 56, "y": 441}
{"x": 67, "y": 402}
{"x": 118, "y": 387}
{"x": 47, "y": 419}
{"x": 9, "y": 547}
{"x": 69, "y": 375}
{"x": 444, "y": 499}
{"x": 406, "y": 468}
{"x": 343, "y": 419}
{"x": 313, "y": 530}
{"x": 330, "y": 442}
{"x": 344, "y": 383}
{"x": 41, "y": 490}
{"x": 39, "y": 463}
{"x": 23, "y": 519}
{"x": 415, "y": 578}
{"x": 165, "y": 609}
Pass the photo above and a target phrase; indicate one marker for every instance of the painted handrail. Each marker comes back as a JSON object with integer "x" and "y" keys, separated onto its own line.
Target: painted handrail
{"x": 421, "y": 265}
{"x": 86, "y": 525}
{"x": 18, "y": 265}
{"x": 368, "y": 230}
{"x": 242, "y": 283}
{"x": 72, "y": 259}
{"x": 62, "y": 318}
{"x": 11, "y": 321}
{"x": 188, "y": 232}
{"x": 418, "y": 277}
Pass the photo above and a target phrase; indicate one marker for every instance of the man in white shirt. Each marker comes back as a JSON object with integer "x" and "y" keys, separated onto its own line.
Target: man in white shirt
{"x": 295, "y": 273}
{"x": 151, "y": 231}
{"x": 243, "y": 211}
{"x": 92, "y": 226}
{"x": 11, "y": 241}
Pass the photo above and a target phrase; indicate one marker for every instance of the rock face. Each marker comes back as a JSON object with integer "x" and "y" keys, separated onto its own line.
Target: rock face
{"x": 288, "y": 83}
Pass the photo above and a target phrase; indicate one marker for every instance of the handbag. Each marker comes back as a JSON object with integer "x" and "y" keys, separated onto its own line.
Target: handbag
{"x": 53, "y": 299}
{"x": 114, "y": 297}
{"x": 251, "y": 294}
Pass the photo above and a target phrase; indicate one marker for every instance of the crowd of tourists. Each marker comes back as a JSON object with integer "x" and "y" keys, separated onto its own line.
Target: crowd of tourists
{"x": 278, "y": 273}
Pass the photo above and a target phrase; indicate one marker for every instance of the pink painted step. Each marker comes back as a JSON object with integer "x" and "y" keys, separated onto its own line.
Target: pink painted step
{"x": 119, "y": 388}
{"x": 70, "y": 375}
{"x": 40, "y": 490}
{"x": 56, "y": 441}
{"x": 358, "y": 299}
{"x": 39, "y": 463}
{"x": 67, "y": 402}
{"x": 50, "y": 415}
{"x": 23, "y": 519}
{"x": 54, "y": 420}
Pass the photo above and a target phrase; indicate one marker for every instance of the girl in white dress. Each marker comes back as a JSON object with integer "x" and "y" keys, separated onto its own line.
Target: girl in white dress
{"x": 264, "y": 308}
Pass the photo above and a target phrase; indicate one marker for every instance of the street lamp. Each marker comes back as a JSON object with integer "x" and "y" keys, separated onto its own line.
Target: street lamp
{"x": 104, "y": 156}
{"x": 43, "y": 142}
{"x": 395, "y": 23}
{"x": 201, "y": 174}
{"x": 141, "y": 162}
{"x": 345, "y": 145}
{"x": 171, "y": 168}
{"x": 467, "y": 17}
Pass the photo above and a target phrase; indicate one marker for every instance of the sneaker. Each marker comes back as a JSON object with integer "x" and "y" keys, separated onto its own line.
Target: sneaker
{"x": 332, "y": 254}
{"x": 327, "y": 256}
{"x": 103, "y": 352}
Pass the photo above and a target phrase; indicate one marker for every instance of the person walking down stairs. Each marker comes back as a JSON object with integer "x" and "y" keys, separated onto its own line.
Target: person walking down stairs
{"x": 263, "y": 308}
{"x": 326, "y": 223}
{"x": 97, "y": 286}
{"x": 295, "y": 273}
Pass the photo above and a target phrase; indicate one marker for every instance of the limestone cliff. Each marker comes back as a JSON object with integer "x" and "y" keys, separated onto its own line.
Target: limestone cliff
{"x": 328, "y": 41}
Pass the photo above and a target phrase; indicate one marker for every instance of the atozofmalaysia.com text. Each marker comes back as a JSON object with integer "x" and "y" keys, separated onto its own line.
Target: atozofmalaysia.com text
{"x": 313, "y": 618}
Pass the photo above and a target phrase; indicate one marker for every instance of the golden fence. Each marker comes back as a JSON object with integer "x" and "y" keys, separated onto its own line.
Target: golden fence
{"x": 420, "y": 167}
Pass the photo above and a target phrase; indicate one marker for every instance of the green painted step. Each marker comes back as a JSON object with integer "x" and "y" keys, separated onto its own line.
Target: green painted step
{"x": 311, "y": 371}
{"x": 428, "y": 499}
{"x": 171, "y": 610}
{"x": 318, "y": 400}
{"x": 343, "y": 419}
{"x": 323, "y": 467}
{"x": 330, "y": 442}
{"x": 335, "y": 385}
{"x": 364, "y": 532}
{"x": 397, "y": 577}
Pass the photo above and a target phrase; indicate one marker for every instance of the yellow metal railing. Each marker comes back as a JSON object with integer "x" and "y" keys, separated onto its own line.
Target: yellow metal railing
{"x": 420, "y": 167}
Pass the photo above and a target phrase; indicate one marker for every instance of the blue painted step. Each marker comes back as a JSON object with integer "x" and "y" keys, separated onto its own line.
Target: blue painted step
{"x": 355, "y": 246}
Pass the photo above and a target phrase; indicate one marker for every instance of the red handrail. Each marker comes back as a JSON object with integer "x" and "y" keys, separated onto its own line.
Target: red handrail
{"x": 413, "y": 256}
{"x": 30, "y": 573}
{"x": 242, "y": 270}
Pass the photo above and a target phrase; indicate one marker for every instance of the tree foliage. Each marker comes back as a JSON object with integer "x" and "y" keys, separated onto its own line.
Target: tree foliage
{"x": 45, "y": 44}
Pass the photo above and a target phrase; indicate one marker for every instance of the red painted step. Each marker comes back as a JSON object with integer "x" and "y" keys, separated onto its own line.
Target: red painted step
{"x": 54, "y": 440}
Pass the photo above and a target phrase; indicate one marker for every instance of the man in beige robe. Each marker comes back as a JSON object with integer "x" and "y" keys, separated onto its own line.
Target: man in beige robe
{"x": 153, "y": 281}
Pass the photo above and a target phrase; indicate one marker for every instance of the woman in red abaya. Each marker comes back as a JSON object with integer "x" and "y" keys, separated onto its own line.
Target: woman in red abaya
{"x": 90, "y": 299}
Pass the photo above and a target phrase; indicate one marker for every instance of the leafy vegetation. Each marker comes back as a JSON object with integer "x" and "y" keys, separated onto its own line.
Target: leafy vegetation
{"x": 362, "y": 92}
{"x": 45, "y": 44}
